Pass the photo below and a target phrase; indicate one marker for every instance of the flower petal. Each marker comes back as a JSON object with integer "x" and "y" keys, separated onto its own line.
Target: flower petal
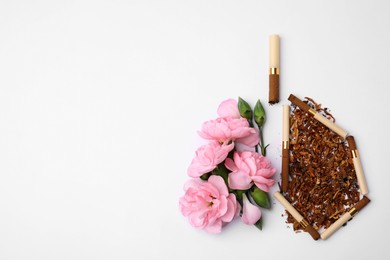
{"x": 222, "y": 152}
{"x": 228, "y": 108}
{"x": 266, "y": 172}
{"x": 196, "y": 219}
{"x": 192, "y": 183}
{"x": 196, "y": 170}
{"x": 263, "y": 183}
{"x": 231, "y": 211}
{"x": 239, "y": 180}
{"x": 250, "y": 213}
{"x": 214, "y": 228}
{"x": 219, "y": 183}
{"x": 229, "y": 163}
{"x": 251, "y": 139}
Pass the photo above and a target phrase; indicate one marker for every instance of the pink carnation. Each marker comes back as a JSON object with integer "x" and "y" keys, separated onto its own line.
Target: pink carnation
{"x": 208, "y": 157}
{"x": 208, "y": 204}
{"x": 230, "y": 129}
{"x": 248, "y": 168}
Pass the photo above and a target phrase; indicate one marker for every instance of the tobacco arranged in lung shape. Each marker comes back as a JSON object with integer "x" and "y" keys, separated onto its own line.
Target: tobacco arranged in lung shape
{"x": 327, "y": 177}
{"x": 322, "y": 184}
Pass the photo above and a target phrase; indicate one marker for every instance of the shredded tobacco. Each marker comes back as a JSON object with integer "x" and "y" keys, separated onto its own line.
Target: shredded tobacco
{"x": 323, "y": 183}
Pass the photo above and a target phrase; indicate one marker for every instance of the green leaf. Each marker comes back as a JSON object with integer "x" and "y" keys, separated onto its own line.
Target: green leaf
{"x": 222, "y": 171}
{"x": 244, "y": 109}
{"x": 205, "y": 176}
{"x": 260, "y": 197}
{"x": 259, "y": 224}
{"x": 239, "y": 194}
{"x": 259, "y": 114}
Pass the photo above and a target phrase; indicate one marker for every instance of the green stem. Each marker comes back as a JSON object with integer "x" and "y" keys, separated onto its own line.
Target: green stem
{"x": 253, "y": 126}
{"x": 263, "y": 151}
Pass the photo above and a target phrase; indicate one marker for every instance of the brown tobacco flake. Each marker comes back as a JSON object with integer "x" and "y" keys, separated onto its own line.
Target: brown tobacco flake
{"x": 323, "y": 183}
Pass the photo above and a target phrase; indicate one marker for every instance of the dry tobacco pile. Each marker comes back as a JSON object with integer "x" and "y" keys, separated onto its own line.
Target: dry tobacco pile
{"x": 323, "y": 183}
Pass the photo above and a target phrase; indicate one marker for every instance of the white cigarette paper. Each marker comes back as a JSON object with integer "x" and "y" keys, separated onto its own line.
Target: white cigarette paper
{"x": 286, "y": 123}
{"x": 274, "y": 51}
{"x": 298, "y": 217}
{"x": 336, "y": 225}
{"x": 332, "y": 126}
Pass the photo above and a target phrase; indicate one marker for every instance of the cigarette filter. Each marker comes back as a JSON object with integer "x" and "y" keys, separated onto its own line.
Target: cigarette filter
{"x": 274, "y": 52}
{"x": 298, "y": 217}
{"x": 344, "y": 218}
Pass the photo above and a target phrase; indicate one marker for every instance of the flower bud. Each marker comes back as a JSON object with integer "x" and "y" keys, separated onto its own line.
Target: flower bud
{"x": 244, "y": 109}
{"x": 260, "y": 197}
{"x": 250, "y": 213}
{"x": 259, "y": 114}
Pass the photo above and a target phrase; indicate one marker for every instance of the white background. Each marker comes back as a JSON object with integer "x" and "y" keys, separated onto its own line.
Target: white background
{"x": 100, "y": 102}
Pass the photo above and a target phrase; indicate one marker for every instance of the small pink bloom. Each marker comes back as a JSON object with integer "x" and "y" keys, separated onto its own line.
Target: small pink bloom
{"x": 208, "y": 204}
{"x": 250, "y": 213}
{"x": 230, "y": 129}
{"x": 208, "y": 157}
{"x": 248, "y": 168}
{"x": 228, "y": 108}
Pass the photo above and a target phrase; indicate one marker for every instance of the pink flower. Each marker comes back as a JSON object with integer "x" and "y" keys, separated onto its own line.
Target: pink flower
{"x": 208, "y": 204}
{"x": 248, "y": 168}
{"x": 230, "y": 129}
{"x": 208, "y": 157}
{"x": 250, "y": 213}
{"x": 228, "y": 108}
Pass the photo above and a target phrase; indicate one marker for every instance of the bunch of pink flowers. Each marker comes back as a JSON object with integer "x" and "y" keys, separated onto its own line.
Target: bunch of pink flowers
{"x": 229, "y": 177}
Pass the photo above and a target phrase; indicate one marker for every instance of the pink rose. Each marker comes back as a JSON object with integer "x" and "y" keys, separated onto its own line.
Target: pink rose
{"x": 228, "y": 108}
{"x": 208, "y": 157}
{"x": 250, "y": 213}
{"x": 208, "y": 204}
{"x": 230, "y": 129}
{"x": 248, "y": 168}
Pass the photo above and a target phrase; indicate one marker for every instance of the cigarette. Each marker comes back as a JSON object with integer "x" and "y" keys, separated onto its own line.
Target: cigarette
{"x": 285, "y": 146}
{"x": 298, "y": 217}
{"x": 344, "y": 218}
{"x": 274, "y": 53}
{"x": 358, "y": 165}
{"x": 326, "y": 122}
